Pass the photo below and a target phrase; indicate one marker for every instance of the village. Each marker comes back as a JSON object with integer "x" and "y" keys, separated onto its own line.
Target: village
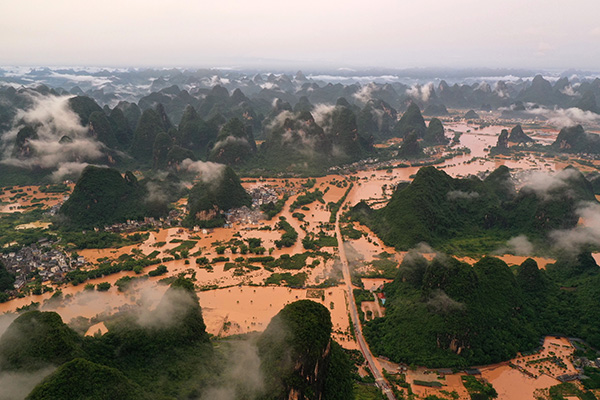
{"x": 234, "y": 304}
{"x": 43, "y": 259}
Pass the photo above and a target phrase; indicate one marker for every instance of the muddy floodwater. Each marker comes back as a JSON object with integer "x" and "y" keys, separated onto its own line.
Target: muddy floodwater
{"x": 519, "y": 379}
{"x": 237, "y": 300}
{"x": 242, "y": 309}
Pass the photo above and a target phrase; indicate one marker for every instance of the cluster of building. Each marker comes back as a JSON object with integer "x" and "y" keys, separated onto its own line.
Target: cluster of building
{"x": 172, "y": 219}
{"x": 244, "y": 215}
{"x": 263, "y": 195}
{"x": 355, "y": 166}
{"x": 260, "y": 195}
{"x": 50, "y": 263}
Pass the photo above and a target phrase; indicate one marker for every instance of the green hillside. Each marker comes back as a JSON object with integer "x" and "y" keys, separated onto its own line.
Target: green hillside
{"x": 473, "y": 215}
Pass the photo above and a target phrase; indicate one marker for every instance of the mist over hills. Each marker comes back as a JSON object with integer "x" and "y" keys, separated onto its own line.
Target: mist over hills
{"x": 167, "y": 353}
{"x": 476, "y": 215}
{"x": 158, "y": 118}
{"x": 468, "y": 88}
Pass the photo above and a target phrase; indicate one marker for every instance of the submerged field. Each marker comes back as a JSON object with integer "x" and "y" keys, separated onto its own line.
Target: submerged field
{"x": 244, "y": 274}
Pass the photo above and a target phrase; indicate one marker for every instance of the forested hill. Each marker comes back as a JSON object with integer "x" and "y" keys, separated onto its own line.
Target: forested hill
{"x": 102, "y": 196}
{"x": 208, "y": 200}
{"x": 474, "y": 215}
{"x": 168, "y": 354}
{"x": 445, "y": 313}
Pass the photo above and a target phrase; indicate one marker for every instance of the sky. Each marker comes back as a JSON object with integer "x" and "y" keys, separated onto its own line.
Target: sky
{"x": 548, "y": 34}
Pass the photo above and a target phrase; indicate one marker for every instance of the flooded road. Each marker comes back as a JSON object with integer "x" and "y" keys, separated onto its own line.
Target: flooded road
{"x": 364, "y": 347}
{"x": 239, "y": 302}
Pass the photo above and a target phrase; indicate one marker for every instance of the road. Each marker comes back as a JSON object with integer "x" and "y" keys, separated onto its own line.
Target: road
{"x": 364, "y": 347}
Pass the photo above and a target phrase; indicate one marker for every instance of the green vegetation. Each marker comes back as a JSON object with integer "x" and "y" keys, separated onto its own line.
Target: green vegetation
{"x": 80, "y": 379}
{"x": 310, "y": 242}
{"x": 297, "y": 280}
{"x": 477, "y": 389}
{"x": 124, "y": 283}
{"x": 7, "y": 281}
{"x": 335, "y": 207}
{"x": 382, "y": 268}
{"x": 435, "y": 133}
{"x": 575, "y": 140}
{"x": 411, "y": 122}
{"x": 302, "y": 330}
{"x": 109, "y": 267}
{"x": 148, "y": 127}
{"x": 36, "y": 339}
{"x": 559, "y": 392}
{"x": 169, "y": 355}
{"x": 349, "y": 232}
{"x": 208, "y": 200}
{"x": 103, "y": 286}
{"x": 83, "y": 106}
{"x": 473, "y": 216}
{"x": 160, "y": 270}
{"x": 100, "y": 239}
{"x": 272, "y": 209}
{"x": 307, "y": 198}
{"x": 289, "y": 236}
{"x": 183, "y": 249}
{"x": 444, "y": 313}
{"x": 299, "y": 144}
{"x": 56, "y": 188}
{"x": 103, "y": 197}
{"x": 234, "y": 144}
{"x": 296, "y": 261}
{"x": 367, "y": 392}
{"x": 593, "y": 381}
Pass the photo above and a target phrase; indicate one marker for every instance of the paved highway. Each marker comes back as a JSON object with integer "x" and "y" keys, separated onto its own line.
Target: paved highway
{"x": 364, "y": 348}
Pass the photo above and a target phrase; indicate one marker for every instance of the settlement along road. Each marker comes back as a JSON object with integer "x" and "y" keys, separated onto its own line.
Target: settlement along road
{"x": 364, "y": 348}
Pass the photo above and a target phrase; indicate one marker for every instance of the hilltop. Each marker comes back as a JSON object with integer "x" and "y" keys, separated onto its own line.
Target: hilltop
{"x": 472, "y": 214}
{"x": 170, "y": 354}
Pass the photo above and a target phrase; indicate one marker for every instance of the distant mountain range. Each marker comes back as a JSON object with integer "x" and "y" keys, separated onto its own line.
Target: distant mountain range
{"x": 54, "y": 122}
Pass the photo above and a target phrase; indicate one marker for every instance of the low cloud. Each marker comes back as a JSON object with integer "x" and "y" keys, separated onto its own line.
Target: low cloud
{"x": 518, "y": 245}
{"x": 440, "y": 303}
{"x": 13, "y": 384}
{"x": 5, "y": 321}
{"x": 172, "y": 306}
{"x": 242, "y": 376}
{"x": 565, "y": 117}
{"x": 543, "y": 183}
{"x": 460, "y": 195}
{"x": 230, "y": 140}
{"x": 414, "y": 264}
{"x": 279, "y": 120}
{"x": 587, "y": 232}
{"x": 52, "y": 120}
{"x": 69, "y": 169}
{"x": 17, "y": 385}
{"x": 569, "y": 91}
{"x": 208, "y": 171}
{"x": 365, "y": 93}
{"x": 322, "y": 114}
{"x": 421, "y": 93}
{"x": 156, "y": 193}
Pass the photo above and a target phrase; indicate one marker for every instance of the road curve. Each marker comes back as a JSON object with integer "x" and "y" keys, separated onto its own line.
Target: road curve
{"x": 364, "y": 348}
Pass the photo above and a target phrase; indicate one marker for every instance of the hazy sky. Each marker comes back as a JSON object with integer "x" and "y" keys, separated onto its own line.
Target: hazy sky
{"x": 548, "y": 34}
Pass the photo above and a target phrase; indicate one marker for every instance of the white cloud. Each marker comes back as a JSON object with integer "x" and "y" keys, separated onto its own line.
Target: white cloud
{"x": 422, "y": 93}
{"x": 208, "y": 171}
{"x": 53, "y": 119}
{"x": 543, "y": 183}
{"x": 587, "y": 232}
